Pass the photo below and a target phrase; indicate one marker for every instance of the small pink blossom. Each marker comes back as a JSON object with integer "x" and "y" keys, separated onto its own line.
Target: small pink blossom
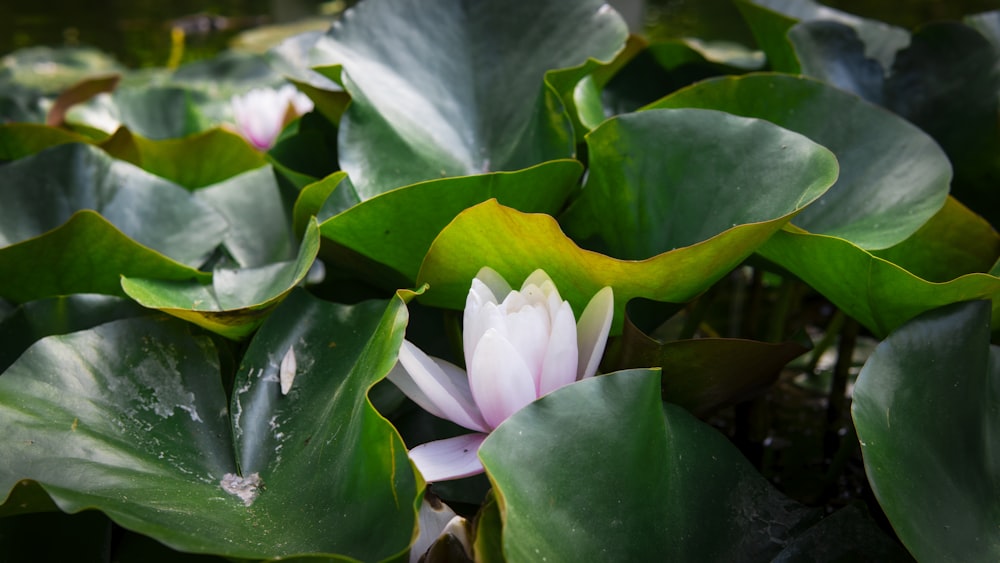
{"x": 261, "y": 113}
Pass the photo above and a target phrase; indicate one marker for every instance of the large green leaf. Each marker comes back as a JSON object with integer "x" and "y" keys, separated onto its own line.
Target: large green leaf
{"x": 893, "y": 177}
{"x": 703, "y": 374}
{"x": 43, "y": 191}
{"x": 237, "y": 301}
{"x": 457, "y": 87}
{"x": 18, "y": 140}
{"x": 397, "y": 228}
{"x": 35, "y": 320}
{"x": 602, "y": 470}
{"x": 954, "y": 242}
{"x": 925, "y": 408}
{"x": 878, "y": 293}
{"x": 87, "y": 254}
{"x": 692, "y": 175}
{"x": 515, "y": 244}
{"x": 130, "y": 418}
{"x": 160, "y": 112}
{"x": 832, "y": 52}
{"x": 770, "y": 21}
{"x": 260, "y": 230}
{"x": 946, "y": 81}
{"x": 198, "y": 160}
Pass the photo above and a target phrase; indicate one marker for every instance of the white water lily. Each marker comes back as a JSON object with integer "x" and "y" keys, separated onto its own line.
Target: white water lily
{"x": 261, "y": 113}
{"x": 519, "y": 345}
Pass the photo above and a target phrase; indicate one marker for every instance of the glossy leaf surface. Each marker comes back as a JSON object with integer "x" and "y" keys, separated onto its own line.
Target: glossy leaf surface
{"x": 689, "y": 495}
{"x": 130, "y": 418}
{"x": 925, "y": 412}
{"x": 472, "y": 99}
{"x": 893, "y": 177}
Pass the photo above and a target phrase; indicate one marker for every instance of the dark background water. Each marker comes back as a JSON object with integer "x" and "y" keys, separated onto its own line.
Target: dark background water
{"x": 138, "y": 32}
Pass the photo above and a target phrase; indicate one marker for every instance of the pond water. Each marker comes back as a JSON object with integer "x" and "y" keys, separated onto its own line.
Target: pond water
{"x": 145, "y": 32}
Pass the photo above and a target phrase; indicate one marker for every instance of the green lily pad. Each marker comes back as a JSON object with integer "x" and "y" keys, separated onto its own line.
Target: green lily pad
{"x": 130, "y": 418}
{"x": 259, "y": 229}
{"x": 690, "y": 176}
{"x": 43, "y": 191}
{"x": 770, "y": 21}
{"x": 559, "y": 468}
{"x": 704, "y": 374}
{"x": 893, "y": 177}
{"x": 453, "y": 87}
{"x": 87, "y": 254}
{"x": 946, "y": 81}
{"x": 396, "y": 228}
{"x": 53, "y": 69}
{"x": 515, "y": 244}
{"x": 198, "y": 160}
{"x": 35, "y": 320}
{"x": 879, "y": 294}
{"x": 237, "y": 301}
{"x": 954, "y": 242}
{"x": 832, "y": 52}
{"x": 18, "y": 140}
{"x": 160, "y": 112}
{"x": 925, "y": 412}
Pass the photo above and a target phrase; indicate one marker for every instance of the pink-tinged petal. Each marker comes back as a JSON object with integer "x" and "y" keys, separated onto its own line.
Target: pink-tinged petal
{"x": 592, "y": 331}
{"x": 501, "y": 382}
{"x": 561, "y": 356}
{"x": 439, "y": 387}
{"x": 528, "y": 332}
{"x": 451, "y": 458}
{"x": 488, "y": 316}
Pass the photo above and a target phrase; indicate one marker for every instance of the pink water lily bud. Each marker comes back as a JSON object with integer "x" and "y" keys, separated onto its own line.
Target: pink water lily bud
{"x": 519, "y": 345}
{"x": 261, "y": 113}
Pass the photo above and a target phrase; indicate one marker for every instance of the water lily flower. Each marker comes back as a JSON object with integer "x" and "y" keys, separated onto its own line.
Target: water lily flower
{"x": 519, "y": 345}
{"x": 261, "y": 113}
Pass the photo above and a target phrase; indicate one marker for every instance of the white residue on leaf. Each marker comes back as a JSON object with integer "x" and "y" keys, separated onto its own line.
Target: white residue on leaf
{"x": 246, "y": 488}
{"x": 286, "y": 373}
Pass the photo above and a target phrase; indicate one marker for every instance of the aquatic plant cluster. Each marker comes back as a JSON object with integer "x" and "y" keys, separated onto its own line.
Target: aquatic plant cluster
{"x": 493, "y": 281}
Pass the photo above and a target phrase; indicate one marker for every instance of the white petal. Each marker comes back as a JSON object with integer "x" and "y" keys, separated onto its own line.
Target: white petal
{"x": 561, "y": 356}
{"x": 537, "y": 278}
{"x": 498, "y": 286}
{"x": 528, "y": 332}
{"x": 434, "y": 518}
{"x": 286, "y": 372}
{"x": 488, "y": 316}
{"x": 500, "y": 381}
{"x": 452, "y": 458}
{"x": 592, "y": 331}
{"x": 439, "y": 387}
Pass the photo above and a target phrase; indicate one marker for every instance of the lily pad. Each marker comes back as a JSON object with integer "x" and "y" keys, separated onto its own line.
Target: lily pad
{"x": 130, "y": 418}
{"x": 199, "y": 160}
{"x": 925, "y": 412}
{"x": 689, "y": 495}
{"x": 704, "y": 374}
{"x": 397, "y": 228}
{"x": 893, "y": 177}
{"x": 515, "y": 244}
{"x": 458, "y": 87}
{"x": 692, "y": 175}
{"x": 43, "y": 191}
{"x": 237, "y": 301}
{"x": 879, "y": 294}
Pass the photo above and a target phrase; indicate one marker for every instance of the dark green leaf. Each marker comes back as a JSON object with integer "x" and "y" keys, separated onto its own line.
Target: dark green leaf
{"x": 237, "y": 301}
{"x": 457, "y": 87}
{"x": 893, "y": 177}
{"x": 926, "y": 416}
{"x": 600, "y": 470}
{"x": 130, "y": 418}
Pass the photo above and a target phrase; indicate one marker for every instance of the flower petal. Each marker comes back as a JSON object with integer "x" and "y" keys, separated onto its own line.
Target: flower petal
{"x": 561, "y": 357}
{"x": 476, "y": 323}
{"x": 501, "y": 382}
{"x": 495, "y": 282}
{"x": 439, "y": 387}
{"x": 592, "y": 331}
{"x": 528, "y": 332}
{"x": 451, "y": 458}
